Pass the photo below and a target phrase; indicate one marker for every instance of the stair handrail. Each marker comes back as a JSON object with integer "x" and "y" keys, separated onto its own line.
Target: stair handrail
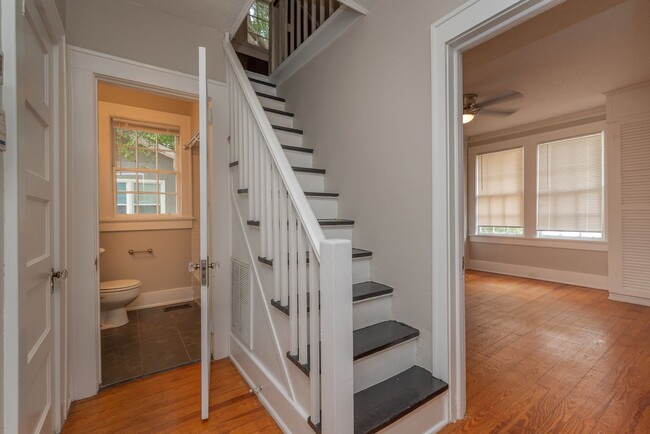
{"x": 296, "y": 194}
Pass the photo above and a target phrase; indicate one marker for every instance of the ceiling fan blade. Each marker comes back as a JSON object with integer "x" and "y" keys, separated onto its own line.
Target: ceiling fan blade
{"x": 500, "y": 99}
{"x": 498, "y": 113}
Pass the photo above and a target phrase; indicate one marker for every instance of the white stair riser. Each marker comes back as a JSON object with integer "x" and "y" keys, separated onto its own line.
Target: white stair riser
{"x": 384, "y": 364}
{"x": 311, "y": 181}
{"x": 278, "y": 119}
{"x": 372, "y": 311}
{"x": 271, "y": 103}
{"x": 259, "y": 87}
{"x": 361, "y": 269}
{"x": 257, "y": 76}
{"x": 299, "y": 159}
{"x": 324, "y": 207}
{"x": 338, "y": 232}
{"x": 290, "y": 139}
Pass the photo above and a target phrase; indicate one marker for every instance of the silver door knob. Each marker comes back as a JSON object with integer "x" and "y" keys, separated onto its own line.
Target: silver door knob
{"x": 193, "y": 267}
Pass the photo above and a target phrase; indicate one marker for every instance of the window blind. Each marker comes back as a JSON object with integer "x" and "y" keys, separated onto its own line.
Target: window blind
{"x": 500, "y": 188}
{"x": 570, "y": 184}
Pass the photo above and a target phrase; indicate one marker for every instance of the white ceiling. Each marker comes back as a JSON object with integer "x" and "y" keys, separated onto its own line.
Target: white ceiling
{"x": 561, "y": 61}
{"x": 217, "y": 14}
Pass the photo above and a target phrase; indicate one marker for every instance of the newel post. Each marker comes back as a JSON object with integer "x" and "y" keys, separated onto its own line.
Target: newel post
{"x": 336, "y": 337}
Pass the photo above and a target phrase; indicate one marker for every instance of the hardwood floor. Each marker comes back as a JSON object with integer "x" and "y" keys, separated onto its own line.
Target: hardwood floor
{"x": 551, "y": 358}
{"x": 170, "y": 403}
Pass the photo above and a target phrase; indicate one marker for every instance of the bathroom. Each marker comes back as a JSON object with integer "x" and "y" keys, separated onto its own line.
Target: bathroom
{"x": 148, "y": 232}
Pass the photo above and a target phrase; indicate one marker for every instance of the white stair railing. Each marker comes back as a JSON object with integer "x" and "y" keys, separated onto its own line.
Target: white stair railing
{"x": 291, "y": 237}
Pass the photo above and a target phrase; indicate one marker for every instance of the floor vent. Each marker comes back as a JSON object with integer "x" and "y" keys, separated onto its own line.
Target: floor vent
{"x": 241, "y": 296}
{"x": 177, "y": 307}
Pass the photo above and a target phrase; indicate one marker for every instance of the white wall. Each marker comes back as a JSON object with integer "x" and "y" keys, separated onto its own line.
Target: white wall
{"x": 365, "y": 105}
{"x": 125, "y": 29}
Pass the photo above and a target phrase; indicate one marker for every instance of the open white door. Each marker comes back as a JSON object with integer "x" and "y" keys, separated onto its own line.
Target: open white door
{"x": 205, "y": 265}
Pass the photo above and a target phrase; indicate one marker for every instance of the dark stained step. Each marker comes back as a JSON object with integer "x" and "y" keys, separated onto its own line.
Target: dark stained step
{"x": 370, "y": 340}
{"x": 295, "y": 169}
{"x": 278, "y": 112}
{"x": 356, "y": 254}
{"x": 287, "y": 129}
{"x": 382, "y": 404}
{"x": 323, "y": 222}
{"x": 308, "y": 170}
{"x": 255, "y": 80}
{"x": 298, "y": 149}
{"x": 266, "y": 95}
{"x": 360, "y": 291}
{"x": 307, "y": 193}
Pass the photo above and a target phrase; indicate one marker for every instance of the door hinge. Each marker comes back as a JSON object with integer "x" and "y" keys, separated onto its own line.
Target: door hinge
{"x": 463, "y": 263}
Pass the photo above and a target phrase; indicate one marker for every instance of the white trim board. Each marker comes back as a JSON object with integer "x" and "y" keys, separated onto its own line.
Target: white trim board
{"x": 86, "y": 68}
{"x": 643, "y": 301}
{"x": 163, "y": 297}
{"x": 472, "y": 23}
{"x": 559, "y": 276}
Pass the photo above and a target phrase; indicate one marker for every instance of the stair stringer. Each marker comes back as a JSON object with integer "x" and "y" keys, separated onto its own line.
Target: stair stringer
{"x": 285, "y": 392}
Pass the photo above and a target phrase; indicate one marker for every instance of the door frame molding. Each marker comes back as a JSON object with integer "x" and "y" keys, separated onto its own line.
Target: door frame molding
{"x": 86, "y": 68}
{"x": 469, "y": 25}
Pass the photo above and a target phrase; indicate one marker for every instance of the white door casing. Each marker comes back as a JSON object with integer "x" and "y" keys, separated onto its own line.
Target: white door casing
{"x": 38, "y": 234}
{"x": 205, "y": 265}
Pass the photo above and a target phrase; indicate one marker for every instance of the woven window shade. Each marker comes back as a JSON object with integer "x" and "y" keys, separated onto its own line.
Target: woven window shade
{"x": 500, "y": 188}
{"x": 570, "y": 184}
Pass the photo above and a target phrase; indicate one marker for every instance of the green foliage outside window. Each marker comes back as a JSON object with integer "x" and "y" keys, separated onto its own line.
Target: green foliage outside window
{"x": 258, "y": 24}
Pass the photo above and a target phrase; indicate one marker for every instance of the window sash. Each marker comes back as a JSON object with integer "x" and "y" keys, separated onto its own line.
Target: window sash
{"x": 570, "y": 185}
{"x": 500, "y": 189}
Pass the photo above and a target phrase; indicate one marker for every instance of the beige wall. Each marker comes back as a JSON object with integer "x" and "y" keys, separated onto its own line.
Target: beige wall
{"x": 126, "y": 29}
{"x": 165, "y": 269}
{"x": 365, "y": 105}
{"x": 61, "y": 6}
{"x": 573, "y": 260}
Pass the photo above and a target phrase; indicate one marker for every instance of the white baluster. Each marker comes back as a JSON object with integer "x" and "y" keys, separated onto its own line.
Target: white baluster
{"x": 256, "y": 172}
{"x": 263, "y": 199}
{"x": 244, "y": 164}
{"x": 314, "y": 338}
{"x": 321, "y": 5}
{"x": 269, "y": 206}
{"x": 240, "y": 145}
{"x": 292, "y": 27}
{"x": 251, "y": 170}
{"x": 276, "y": 233}
{"x": 284, "y": 248}
{"x": 302, "y": 296}
{"x": 305, "y": 19}
{"x": 293, "y": 281}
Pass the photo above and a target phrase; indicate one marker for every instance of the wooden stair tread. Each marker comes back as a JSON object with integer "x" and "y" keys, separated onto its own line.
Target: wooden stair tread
{"x": 356, "y": 254}
{"x": 295, "y": 169}
{"x": 372, "y": 339}
{"x": 360, "y": 291}
{"x": 278, "y": 112}
{"x": 266, "y": 83}
{"x": 382, "y": 404}
{"x": 323, "y": 222}
{"x": 266, "y": 95}
{"x": 287, "y": 129}
{"x": 297, "y": 149}
{"x": 307, "y": 193}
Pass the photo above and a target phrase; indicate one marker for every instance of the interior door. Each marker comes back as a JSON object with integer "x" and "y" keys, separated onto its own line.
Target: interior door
{"x": 205, "y": 264}
{"x": 37, "y": 249}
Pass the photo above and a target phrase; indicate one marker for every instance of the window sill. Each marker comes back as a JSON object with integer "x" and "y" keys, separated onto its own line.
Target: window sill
{"x": 145, "y": 224}
{"x": 600, "y": 246}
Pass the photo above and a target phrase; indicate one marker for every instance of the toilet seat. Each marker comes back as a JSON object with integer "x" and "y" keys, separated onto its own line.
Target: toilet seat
{"x": 109, "y": 286}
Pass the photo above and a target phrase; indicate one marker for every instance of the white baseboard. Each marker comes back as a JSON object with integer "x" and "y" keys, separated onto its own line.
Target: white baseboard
{"x": 629, "y": 299}
{"x": 163, "y": 297}
{"x": 566, "y": 277}
{"x": 288, "y": 414}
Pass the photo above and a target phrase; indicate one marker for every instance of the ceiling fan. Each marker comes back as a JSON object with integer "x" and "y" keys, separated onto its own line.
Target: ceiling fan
{"x": 472, "y": 106}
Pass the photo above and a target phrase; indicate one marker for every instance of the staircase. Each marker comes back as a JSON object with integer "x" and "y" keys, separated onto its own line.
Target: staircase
{"x": 387, "y": 383}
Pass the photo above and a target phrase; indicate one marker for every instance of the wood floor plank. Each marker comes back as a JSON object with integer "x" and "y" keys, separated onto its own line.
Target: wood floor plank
{"x": 170, "y": 402}
{"x": 550, "y": 358}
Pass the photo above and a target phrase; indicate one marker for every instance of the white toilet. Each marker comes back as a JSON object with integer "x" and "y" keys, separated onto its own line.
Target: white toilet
{"x": 114, "y": 296}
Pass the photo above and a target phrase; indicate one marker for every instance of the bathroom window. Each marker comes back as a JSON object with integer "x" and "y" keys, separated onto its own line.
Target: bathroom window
{"x": 146, "y": 169}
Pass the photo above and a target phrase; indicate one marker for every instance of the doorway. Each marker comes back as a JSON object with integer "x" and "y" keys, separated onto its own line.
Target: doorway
{"x": 148, "y": 232}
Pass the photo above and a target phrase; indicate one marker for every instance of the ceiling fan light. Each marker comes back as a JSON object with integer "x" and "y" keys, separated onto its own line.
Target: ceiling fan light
{"x": 468, "y": 117}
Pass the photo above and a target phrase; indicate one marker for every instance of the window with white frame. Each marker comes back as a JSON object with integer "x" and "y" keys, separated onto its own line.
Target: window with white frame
{"x": 257, "y": 23}
{"x": 500, "y": 193}
{"x": 146, "y": 170}
{"x": 570, "y": 186}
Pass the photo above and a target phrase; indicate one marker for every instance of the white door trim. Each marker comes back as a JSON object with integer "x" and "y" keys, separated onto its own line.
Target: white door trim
{"x": 86, "y": 68}
{"x": 467, "y": 26}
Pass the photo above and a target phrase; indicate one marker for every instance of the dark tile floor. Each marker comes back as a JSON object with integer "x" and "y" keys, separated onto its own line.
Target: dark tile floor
{"x": 152, "y": 341}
